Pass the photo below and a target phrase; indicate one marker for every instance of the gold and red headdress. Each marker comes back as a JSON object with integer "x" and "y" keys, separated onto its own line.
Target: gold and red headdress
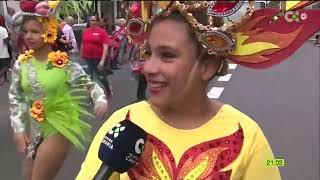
{"x": 259, "y": 39}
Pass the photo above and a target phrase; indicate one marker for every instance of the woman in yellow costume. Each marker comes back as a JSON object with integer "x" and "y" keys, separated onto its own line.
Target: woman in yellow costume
{"x": 189, "y": 135}
{"x": 46, "y": 105}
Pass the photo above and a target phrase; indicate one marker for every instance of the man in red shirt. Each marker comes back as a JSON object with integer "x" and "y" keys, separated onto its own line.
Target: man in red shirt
{"x": 94, "y": 50}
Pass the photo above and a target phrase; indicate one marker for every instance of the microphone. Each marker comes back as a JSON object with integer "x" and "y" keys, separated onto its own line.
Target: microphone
{"x": 120, "y": 149}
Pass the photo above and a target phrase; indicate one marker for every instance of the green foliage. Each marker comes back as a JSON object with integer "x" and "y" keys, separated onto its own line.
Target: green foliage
{"x": 79, "y": 8}
{"x": 274, "y": 4}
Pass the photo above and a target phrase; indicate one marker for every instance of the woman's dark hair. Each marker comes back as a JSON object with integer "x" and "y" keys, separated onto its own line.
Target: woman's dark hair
{"x": 203, "y": 19}
{"x": 88, "y": 19}
{"x": 109, "y": 24}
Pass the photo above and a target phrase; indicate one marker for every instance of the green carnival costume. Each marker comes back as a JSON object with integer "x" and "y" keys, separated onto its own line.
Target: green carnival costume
{"x": 32, "y": 80}
{"x": 48, "y": 97}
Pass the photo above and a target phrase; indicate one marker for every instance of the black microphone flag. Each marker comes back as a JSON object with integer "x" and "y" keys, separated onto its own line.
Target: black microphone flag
{"x": 120, "y": 149}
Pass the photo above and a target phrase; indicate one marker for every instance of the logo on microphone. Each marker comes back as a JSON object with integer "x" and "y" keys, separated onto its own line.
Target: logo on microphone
{"x": 139, "y": 146}
{"x": 115, "y": 131}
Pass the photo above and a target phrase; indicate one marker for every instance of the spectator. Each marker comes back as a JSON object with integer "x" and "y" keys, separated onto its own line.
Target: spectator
{"x": 94, "y": 50}
{"x": 106, "y": 23}
{"x": 103, "y": 23}
{"x": 16, "y": 36}
{"x": 4, "y": 51}
{"x": 137, "y": 71}
{"x": 113, "y": 45}
{"x": 123, "y": 48}
{"x": 68, "y": 32}
{"x": 13, "y": 32}
{"x": 62, "y": 44}
{"x": 8, "y": 19}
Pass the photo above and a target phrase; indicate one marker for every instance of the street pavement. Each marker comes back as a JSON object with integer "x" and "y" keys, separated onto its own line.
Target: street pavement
{"x": 283, "y": 100}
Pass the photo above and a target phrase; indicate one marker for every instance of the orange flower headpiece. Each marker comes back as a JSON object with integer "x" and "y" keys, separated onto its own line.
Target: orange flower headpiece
{"x": 50, "y": 25}
{"x": 260, "y": 39}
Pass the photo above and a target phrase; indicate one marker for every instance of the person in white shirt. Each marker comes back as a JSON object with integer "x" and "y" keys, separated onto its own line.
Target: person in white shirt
{"x": 4, "y": 51}
{"x": 68, "y": 31}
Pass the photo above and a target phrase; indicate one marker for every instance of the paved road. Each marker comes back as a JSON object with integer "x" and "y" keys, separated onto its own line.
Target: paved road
{"x": 283, "y": 100}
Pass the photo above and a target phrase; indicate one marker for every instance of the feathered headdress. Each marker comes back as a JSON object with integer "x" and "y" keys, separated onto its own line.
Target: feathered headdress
{"x": 260, "y": 39}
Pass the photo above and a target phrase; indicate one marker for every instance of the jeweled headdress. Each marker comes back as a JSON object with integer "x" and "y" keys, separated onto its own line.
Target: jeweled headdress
{"x": 259, "y": 39}
{"x": 45, "y": 13}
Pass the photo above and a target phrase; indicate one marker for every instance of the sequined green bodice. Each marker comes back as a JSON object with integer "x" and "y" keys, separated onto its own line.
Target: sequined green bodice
{"x": 49, "y": 79}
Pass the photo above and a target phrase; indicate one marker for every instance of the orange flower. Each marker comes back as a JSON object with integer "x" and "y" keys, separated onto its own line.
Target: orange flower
{"x": 37, "y": 106}
{"x": 51, "y": 26}
{"x": 58, "y": 59}
{"x": 37, "y": 110}
{"x": 49, "y": 37}
{"x": 40, "y": 117}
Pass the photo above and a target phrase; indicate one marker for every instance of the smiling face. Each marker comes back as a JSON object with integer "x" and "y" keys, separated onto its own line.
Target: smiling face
{"x": 32, "y": 32}
{"x": 172, "y": 57}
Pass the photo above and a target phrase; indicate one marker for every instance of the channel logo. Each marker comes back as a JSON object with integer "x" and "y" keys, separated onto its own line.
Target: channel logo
{"x": 115, "y": 131}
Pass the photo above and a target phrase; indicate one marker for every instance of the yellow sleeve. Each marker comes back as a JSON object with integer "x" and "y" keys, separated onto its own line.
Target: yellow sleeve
{"x": 256, "y": 167}
{"x": 92, "y": 162}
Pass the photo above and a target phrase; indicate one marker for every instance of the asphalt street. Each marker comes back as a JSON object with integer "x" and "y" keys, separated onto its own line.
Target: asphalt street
{"x": 283, "y": 100}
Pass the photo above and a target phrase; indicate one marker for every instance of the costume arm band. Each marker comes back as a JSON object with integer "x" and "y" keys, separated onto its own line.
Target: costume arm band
{"x": 17, "y": 103}
{"x": 80, "y": 78}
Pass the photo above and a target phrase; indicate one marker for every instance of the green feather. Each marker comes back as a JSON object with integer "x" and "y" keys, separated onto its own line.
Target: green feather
{"x": 62, "y": 113}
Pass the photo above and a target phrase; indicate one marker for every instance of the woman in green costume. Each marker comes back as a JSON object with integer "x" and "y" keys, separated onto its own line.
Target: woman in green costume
{"x": 45, "y": 105}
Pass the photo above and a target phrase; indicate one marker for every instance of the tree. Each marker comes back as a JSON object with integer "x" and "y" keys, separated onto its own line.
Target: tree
{"x": 79, "y": 8}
